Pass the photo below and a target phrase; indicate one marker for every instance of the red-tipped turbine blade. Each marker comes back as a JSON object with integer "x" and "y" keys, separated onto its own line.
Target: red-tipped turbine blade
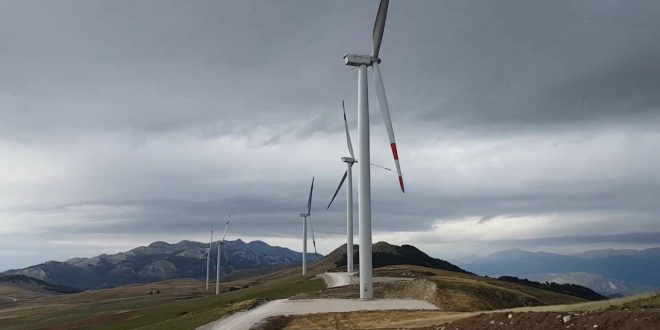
{"x": 398, "y": 167}
{"x": 385, "y": 111}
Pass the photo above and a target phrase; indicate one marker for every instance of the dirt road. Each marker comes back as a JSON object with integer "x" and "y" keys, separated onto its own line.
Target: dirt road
{"x": 244, "y": 320}
{"x": 333, "y": 280}
{"x": 10, "y": 299}
{"x": 546, "y": 317}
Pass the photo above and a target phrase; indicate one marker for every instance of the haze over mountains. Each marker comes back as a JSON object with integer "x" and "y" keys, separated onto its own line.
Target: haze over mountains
{"x": 160, "y": 261}
{"x": 610, "y": 272}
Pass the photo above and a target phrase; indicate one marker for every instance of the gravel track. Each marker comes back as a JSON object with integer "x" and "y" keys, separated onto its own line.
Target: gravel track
{"x": 336, "y": 279}
{"x": 245, "y": 320}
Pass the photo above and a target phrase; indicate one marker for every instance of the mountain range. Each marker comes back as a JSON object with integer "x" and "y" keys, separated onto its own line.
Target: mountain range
{"x": 160, "y": 261}
{"x": 610, "y": 272}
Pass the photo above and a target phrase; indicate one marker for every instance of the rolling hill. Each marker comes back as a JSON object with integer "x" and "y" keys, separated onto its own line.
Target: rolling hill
{"x": 36, "y": 285}
{"x": 385, "y": 254}
{"x": 19, "y": 288}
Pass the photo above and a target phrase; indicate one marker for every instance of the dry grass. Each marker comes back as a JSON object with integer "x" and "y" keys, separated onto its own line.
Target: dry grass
{"x": 18, "y": 293}
{"x": 423, "y": 319}
{"x": 370, "y": 320}
{"x": 181, "y": 304}
{"x": 451, "y": 291}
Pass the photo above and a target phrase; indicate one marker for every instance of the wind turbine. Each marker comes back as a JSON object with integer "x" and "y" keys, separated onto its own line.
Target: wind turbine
{"x": 306, "y": 216}
{"x": 220, "y": 249}
{"x": 349, "y": 195}
{"x": 208, "y": 259}
{"x": 364, "y": 174}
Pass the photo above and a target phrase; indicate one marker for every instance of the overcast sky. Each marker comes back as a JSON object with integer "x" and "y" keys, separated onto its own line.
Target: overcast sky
{"x": 520, "y": 123}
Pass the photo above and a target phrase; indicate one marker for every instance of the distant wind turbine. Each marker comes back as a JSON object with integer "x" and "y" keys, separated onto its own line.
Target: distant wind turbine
{"x": 364, "y": 174}
{"x": 221, "y": 249}
{"x": 208, "y": 259}
{"x": 305, "y": 217}
{"x": 349, "y": 193}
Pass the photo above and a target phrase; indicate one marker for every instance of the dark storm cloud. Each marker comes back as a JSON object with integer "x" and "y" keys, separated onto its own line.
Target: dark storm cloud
{"x": 135, "y": 117}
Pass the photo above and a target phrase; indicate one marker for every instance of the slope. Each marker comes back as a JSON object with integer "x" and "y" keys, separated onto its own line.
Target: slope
{"x": 385, "y": 254}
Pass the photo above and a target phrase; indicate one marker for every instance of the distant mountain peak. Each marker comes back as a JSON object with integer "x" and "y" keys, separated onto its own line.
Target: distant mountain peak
{"x": 385, "y": 254}
{"x": 160, "y": 261}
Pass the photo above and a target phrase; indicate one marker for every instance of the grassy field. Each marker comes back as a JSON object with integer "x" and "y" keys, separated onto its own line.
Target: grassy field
{"x": 182, "y": 304}
{"x": 185, "y": 304}
{"x": 16, "y": 292}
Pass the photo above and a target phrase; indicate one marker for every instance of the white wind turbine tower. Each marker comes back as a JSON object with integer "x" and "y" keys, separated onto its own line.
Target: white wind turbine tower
{"x": 305, "y": 217}
{"x": 349, "y": 195}
{"x": 221, "y": 249}
{"x": 208, "y": 259}
{"x": 364, "y": 174}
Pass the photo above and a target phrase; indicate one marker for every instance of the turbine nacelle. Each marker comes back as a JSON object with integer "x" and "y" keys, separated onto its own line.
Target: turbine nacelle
{"x": 359, "y": 60}
{"x": 349, "y": 160}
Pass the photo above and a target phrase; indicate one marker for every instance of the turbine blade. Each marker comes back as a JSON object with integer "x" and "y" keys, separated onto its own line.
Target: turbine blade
{"x": 225, "y": 234}
{"x": 385, "y": 111}
{"x": 348, "y": 135}
{"x": 343, "y": 178}
{"x": 311, "y": 226}
{"x": 379, "y": 27}
{"x": 309, "y": 201}
{"x": 224, "y": 251}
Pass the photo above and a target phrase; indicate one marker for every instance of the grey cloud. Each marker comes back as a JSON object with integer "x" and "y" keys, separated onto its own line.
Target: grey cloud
{"x": 160, "y": 116}
{"x": 486, "y": 219}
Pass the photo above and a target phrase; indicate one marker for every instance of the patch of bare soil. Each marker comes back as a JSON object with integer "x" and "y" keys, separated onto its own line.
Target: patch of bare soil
{"x": 421, "y": 289}
{"x": 273, "y": 323}
{"x": 599, "y": 320}
{"x": 450, "y": 294}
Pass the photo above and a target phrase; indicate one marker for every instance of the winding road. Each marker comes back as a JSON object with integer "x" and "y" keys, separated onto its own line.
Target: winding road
{"x": 11, "y": 299}
{"x": 245, "y": 320}
{"x": 333, "y": 280}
